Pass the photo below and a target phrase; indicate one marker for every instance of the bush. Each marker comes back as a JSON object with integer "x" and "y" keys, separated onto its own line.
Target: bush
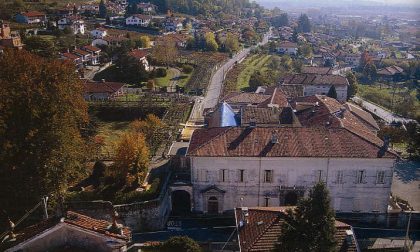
{"x": 161, "y": 72}
{"x": 180, "y": 244}
{"x": 187, "y": 69}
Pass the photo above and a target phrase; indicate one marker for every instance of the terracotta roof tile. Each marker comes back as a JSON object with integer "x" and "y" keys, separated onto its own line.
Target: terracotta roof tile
{"x": 316, "y": 79}
{"x": 103, "y": 87}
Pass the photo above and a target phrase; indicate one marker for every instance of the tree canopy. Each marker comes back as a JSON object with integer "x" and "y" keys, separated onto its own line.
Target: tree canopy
{"x": 304, "y": 25}
{"x": 332, "y": 93}
{"x": 43, "y": 111}
{"x": 180, "y": 244}
{"x": 313, "y": 219}
{"x": 353, "y": 85}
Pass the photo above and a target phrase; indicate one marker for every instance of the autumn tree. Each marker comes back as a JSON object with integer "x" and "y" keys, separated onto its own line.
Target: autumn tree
{"x": 165, "y": 52}
{"x": 313, "y": 219}
{"x": 143, "y": 42}
{"x": 152, "y": 128}
{"x": 231, "y": 43}
{"x": 40, "y": 46}
{"x": 132, "y": 158}
{"x": 42, "y": 113}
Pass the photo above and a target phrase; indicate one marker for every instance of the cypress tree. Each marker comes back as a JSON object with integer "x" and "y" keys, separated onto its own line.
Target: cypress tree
{"x": 332, "y": 92}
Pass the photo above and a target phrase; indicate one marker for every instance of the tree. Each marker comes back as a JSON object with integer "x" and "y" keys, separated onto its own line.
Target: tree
{"x": 305, "y": 50}
{"x": 152, "y": 128}
{"x": 165, "y": 52}
{"x": 132, "y": 157}
{"x": 313, "y": 220}
{"x": 304, "y": 25}
{"x": 40, "y": 46}
{"x": 42, "y": 114}
{"x": 145, "y": 41}
{"x": 130, "y": 69}
{"x": 280, "y": 20}
{"x": 102, "y": 9}
{"x": 332, "y": 93}
{"x": 257, "y": 79}
{"x": 150, "y": 84}
{"x": 369, "y": 72}
{"x": 231, "y": 43}
{"x": 353, "y": 85}
{"x": 295, "y": 35}
{"x": 211, "y": 43}
{"x": 180, "y": 244}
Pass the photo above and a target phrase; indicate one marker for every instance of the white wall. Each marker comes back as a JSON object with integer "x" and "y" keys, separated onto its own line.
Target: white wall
{"x": 309, "y": 90}
{"x": 290, "y": 172}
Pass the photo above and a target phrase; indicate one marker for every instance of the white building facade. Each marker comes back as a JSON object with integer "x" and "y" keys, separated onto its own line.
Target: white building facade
{"x": 234, "y": 167}
{"x": 138, "y": 20}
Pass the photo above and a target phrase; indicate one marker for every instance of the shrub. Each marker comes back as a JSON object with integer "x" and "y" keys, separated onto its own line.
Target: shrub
{"x": 187, "y": 69}
{"x": 161, "y": 72}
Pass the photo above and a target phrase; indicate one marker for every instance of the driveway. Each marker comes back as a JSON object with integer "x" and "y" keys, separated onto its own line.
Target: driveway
{"x": 406, "y": 182}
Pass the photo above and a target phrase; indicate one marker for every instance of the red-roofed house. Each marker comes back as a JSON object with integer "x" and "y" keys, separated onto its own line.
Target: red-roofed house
{"x": 31, "y": 17}
{"x": 103, "y": 90}
{"x": 259, "y": 228}
{"x": 74, "y": 58}
{"x": 141, "y": 56}
{"x": 94, "y": 53}
{"x": 287, "y": 47}
{"x": 73, "y": 232}
{"x": 138, "y": 19}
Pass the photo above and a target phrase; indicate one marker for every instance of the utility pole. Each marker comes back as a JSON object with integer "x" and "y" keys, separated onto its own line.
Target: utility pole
{"x": 406, "y": 234}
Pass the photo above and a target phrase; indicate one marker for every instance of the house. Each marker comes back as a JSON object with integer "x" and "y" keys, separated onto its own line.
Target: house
{"x": 31, "y": 17}
{"x": 147, "y": 8}
{"x": 180, "y": 40}
{"x": 75, "y": 23}
{"x": 141, "y": 56}
{"x": 259, "y": 228}
{"x": 287, "y": 47}
{"x": 103, "y": 90}
{"x": 391, "y": 73}
{"x": 84, "y": 55}
{"x": 72, "y": 232}
{"x": 275, "y": 166}
{"x": 109, "y": 41}
{"x": 138, "y": 20}
{"x": 99, "y": 33}
{"x": 173, "y": 24}
{"x": 94, "y": 53}
{"x": 267, "y": 117}
{"x": 75, "y": 59}
{"x": 320, "y": 84}
{"x": 9, "y": 38}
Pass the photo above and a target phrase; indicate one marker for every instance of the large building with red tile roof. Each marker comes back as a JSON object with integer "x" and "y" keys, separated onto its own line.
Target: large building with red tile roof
{"x": 275, "y": 165}
{"x": 72, "y": 232}
{"x": 260, "y": 227}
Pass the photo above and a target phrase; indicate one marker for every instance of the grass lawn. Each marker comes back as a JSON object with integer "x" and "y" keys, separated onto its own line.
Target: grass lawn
{"x": 164, "y": 81}
{"x": 255, "y": 63}
{"x": 110, "y": 132}
{"x": 184, "y": 78}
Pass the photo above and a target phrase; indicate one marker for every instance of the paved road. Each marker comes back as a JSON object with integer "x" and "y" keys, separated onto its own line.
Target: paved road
{"x": 215, "y": 87}
{"x": 384, "y": 114}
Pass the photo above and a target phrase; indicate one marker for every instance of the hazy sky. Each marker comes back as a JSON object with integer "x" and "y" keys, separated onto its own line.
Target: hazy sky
{"x": 320, "y": 1}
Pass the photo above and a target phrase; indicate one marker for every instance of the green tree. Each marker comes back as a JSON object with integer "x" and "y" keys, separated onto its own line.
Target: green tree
{"x": 180, "y": 244}
{"x": 305, "y": 50}
{"x": 231, "y": 43}
{"x": 257, "y": 79}
{"x": 353, "y": 85}
{"x": 40, "y": 46}
{"x": 313, "y": 219}
{"x": 332, "y": 93}
{"x": 369, "y": 72}
{"x": 295, "y": 35}
{"x": 42, "y": 113}
{"x": 211, "y": 43}
{"x": 102, "y": 9}
{"x": 304, "y": 25}
{"x": 130, "y": 69}
{"x": 280, "y": 20}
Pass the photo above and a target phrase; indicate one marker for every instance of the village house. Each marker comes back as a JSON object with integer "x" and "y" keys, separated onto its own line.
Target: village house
{"x": 391, "y": 73}
{"x": 141, "y": 56}
{"x": 320, "y": 84}
{"x": 109, "y": 41}
{"x": 75, "y": 23}
{"x": 99, "y": 33}
{"x": 94, "y": 53}
{"x": 138, "y": 20}
{"x": 172, "y": 24}
{"x": 74, "y": 58}
{"x": 9, "y": 38}
{"x": 103, "y": 90}
{"x": 288, "y": 48}
{"x": 31, "y": 17}
{"x": 259, "y": 228}
{"x": 72, "y": 232}
{"x": 147, "y": 8}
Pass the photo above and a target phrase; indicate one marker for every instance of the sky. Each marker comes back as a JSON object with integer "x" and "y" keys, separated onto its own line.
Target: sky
{"x": 404, "y": 2}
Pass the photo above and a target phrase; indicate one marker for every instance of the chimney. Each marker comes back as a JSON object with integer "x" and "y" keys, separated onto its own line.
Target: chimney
{"x": 252, "y": 123}
{"x": 349, "y": 237}
{"x": 274, "y": 137}
{"x": 384, "y": 147}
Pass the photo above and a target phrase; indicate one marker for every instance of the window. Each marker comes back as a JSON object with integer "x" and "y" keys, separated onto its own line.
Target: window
{"x": 360, "y": 179}
{"x": 340, "y": 176}
{"x": 380, "y": 177}
{"x": 223, "y": 175}
{"x": 268, "y": 176}
{"x": 241, "y": 175}
{"x": 266, "y": 201}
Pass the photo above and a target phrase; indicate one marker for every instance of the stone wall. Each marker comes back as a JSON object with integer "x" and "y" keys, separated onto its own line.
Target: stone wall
{"x": 139, "y": 216}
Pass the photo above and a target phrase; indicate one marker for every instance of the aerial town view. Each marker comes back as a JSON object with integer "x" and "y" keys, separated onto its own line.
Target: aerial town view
{"x": 210, "y": 125}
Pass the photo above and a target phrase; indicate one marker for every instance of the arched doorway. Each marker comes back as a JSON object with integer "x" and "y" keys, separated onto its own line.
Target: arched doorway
{"x": 181, "y": 203}
{"x": 290, "y": 199}
{"x": 213, "y": 205}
